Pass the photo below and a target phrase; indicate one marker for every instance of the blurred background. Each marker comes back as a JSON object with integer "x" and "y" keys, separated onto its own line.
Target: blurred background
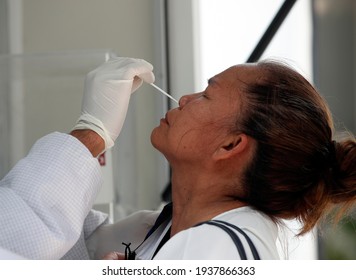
{"x": 48, "y": 46}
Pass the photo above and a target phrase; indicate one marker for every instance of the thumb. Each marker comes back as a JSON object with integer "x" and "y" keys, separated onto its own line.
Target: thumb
{"x": 147, "y": 77}
{"x": 114, "y": 256}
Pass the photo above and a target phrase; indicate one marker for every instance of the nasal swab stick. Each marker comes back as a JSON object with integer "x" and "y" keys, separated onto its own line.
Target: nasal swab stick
{"x": 165, "y": 93}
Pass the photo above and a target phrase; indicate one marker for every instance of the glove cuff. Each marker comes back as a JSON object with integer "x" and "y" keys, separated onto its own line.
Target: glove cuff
{"x": 87, "y": 121}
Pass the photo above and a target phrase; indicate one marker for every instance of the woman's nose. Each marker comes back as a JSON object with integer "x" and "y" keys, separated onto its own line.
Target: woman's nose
{"x": 185, "y": 99}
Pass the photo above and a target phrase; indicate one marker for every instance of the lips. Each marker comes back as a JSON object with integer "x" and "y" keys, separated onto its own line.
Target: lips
{"x": 167, "y": 118}
{"x": 164, "y": 121}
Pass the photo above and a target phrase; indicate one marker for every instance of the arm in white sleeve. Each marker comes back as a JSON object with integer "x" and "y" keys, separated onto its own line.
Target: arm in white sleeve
{"x": 7, "y": 255}
{"x": 45, "y": 198}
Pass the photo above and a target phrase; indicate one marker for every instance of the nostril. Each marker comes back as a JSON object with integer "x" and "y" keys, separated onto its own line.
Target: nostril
{"x": 182, "y": 101}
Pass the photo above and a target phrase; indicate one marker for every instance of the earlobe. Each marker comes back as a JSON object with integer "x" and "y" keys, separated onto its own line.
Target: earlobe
{"x": 233, "y": 146}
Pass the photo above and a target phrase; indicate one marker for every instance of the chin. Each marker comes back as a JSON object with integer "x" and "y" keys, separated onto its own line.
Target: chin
{"x": 155, "y": 137}
{"x": 158, "y": 141}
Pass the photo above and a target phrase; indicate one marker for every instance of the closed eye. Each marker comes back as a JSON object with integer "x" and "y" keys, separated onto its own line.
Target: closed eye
{"x": 205, "y": 96}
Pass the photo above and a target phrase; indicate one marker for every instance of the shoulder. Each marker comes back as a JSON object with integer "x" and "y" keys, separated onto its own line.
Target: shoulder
{"x": 250, "y": 219}
{"x": 211, "y": 242}
{"x": 201, "y": 242}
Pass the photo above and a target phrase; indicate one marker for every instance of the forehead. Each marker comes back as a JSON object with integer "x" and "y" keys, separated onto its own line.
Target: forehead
{"x": 243, "y": 73}
{"x": 230, "y": 85}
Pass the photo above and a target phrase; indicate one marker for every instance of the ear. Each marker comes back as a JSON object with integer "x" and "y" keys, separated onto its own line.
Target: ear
{"x": 232, "y": 146}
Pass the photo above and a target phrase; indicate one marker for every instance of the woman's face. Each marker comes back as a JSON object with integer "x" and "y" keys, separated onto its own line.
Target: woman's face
{"x": 194, "y": 130}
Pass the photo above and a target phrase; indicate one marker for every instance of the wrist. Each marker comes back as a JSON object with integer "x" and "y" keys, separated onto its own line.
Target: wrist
{"x": 90, "y": 139}
{"x": 89, "y": 122}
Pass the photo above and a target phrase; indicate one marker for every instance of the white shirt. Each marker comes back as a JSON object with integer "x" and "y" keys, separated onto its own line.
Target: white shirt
{"x": 210, "y": 242}
{"x": 45, "y": 200}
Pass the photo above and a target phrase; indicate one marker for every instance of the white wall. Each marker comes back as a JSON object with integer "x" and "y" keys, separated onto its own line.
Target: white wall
{"x": 230, "y": 30}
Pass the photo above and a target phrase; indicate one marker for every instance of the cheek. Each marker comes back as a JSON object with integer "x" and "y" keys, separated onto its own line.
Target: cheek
{"x": 193, "y": 140}
{"x": 190, "y": 132}
{"x": 176, "y": 140}
{"x": 166, "y": 139}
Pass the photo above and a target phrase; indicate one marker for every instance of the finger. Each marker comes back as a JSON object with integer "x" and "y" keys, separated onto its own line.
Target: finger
{"x": 114, "y": 256}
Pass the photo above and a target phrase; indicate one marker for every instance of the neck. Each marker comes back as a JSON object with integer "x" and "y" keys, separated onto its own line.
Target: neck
{"x": 197, "y": 198}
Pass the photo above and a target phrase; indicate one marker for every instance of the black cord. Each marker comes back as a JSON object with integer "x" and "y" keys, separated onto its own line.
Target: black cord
{"x": 271, "y": 31}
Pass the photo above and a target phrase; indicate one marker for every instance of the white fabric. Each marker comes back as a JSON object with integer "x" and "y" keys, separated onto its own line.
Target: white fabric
{"x": 132, "y": 229}
{"x": 107, "y": 93}
{"x": 210, "y": 242}
{"x": 46, "y": 197}
{"x": 148, "y": 248}
{"x": 7, "y": 255}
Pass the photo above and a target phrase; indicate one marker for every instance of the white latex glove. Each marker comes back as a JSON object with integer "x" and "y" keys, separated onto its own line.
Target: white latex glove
{"x": 108, "y": 238}
{"x": 107, "y": 94}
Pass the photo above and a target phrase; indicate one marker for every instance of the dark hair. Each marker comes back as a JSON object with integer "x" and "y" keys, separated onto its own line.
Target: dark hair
{"x": 298, "y": 171}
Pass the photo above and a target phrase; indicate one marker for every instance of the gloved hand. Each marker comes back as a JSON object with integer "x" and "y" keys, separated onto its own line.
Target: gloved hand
{"x": 107, "y": 92}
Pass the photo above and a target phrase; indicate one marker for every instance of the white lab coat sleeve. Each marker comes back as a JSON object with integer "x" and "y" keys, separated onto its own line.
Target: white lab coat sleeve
{"x": 94, "y": 220}
{"x": 7, "y": 255}
{"x": 46, "y": 197}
